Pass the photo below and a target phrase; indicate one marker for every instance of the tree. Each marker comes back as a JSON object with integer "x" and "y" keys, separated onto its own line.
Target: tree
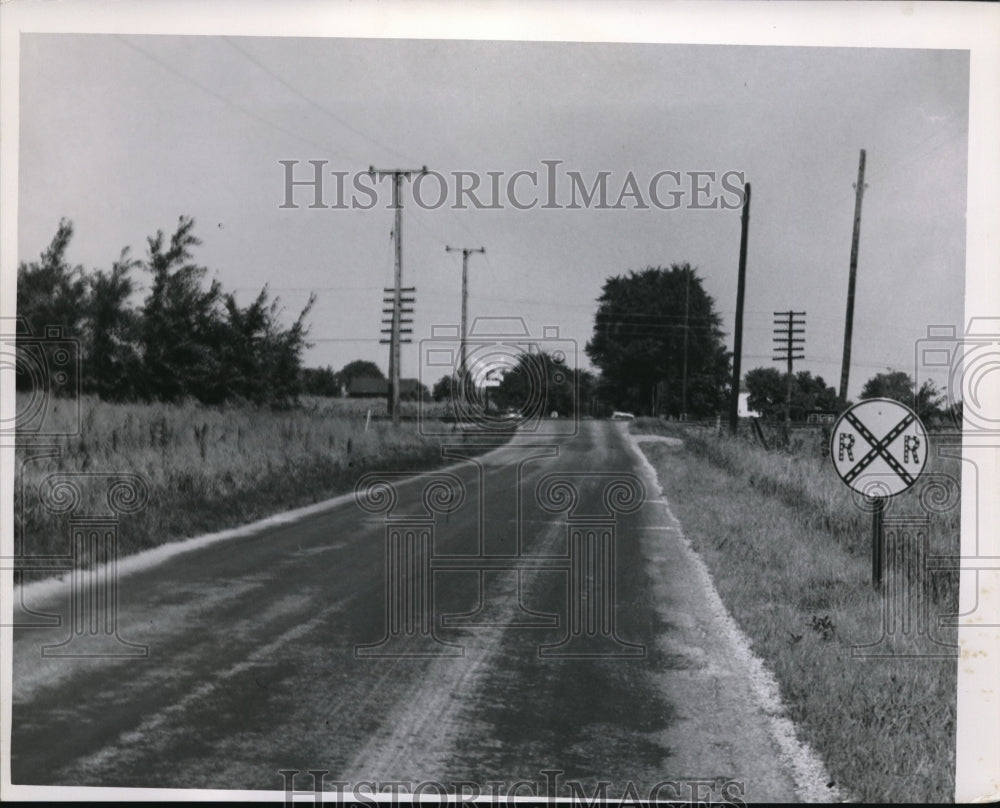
{"x": 768, "y": 389}
{"x": 657, "y": 333}
{"x": 320, "y": 382}
{"x": 899, "y": 386}
{"x": 112, "y": 359}
{"x": 51, "y": 294}
{"x": 182, "y": 324}
{"x": 443, "y": 387}
{"x": 186, "y": 340}
{"x": 955, "y": 412}
{"x": 359, "y": 368}
{"x": 542, "y": 384}
{"x": 260, "y": 360}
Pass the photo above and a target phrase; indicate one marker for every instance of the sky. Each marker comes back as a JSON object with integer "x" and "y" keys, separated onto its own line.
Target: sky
{"x": 123, "y": 134}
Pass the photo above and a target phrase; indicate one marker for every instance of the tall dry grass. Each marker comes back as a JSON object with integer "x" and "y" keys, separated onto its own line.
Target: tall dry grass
{"x": 206, "y": 468}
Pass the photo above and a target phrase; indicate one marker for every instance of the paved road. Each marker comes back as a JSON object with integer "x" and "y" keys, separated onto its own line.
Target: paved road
{"x": 256, "y": 661}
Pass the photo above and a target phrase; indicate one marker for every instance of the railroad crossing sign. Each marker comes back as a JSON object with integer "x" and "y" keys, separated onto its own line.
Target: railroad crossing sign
{"x": 879, "y": 447}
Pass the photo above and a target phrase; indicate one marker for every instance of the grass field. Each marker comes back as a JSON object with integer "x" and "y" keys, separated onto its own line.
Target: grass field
{"x": 207, "y": 468}
{"x": 789, "y": 550}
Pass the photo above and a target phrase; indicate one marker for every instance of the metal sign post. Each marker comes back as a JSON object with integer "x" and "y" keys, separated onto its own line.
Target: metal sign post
{"x": 878, "y": 508}
{"x": 879, "y": 448}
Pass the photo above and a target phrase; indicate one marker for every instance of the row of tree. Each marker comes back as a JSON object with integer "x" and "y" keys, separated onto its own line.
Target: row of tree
{"x": 326, "y": 381}
{"x": 538, "y": 384}
{"x": 658, "y": 343}
{"x": 185, "y": 339}
{"x": 767, "y": 392}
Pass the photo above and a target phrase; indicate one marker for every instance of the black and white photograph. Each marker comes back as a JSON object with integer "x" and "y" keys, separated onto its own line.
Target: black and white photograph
{"x": 590, "y": 403}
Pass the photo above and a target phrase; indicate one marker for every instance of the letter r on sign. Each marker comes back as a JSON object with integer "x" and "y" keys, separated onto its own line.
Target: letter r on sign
{"x": 911, "y": 443}
{"x": 846, "y": 445}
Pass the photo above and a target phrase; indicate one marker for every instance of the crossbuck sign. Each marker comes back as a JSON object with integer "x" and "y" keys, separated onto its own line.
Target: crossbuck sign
{"x": 879, "y": 447}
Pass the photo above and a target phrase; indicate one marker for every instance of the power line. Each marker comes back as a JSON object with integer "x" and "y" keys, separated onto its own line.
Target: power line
{"x": 311, "y": 102}
{"x": 228, "y": 102}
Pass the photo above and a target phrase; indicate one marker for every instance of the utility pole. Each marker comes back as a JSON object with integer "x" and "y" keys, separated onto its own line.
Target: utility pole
{"x": 397, "y": 175}
{"x": 790, "y": 343}
{"x": 859, "y": 192}
{"x": 734, "y": 398}
{"x": 466, "y": 252}
{"x": 397, "y": 325}
{"x": 684, "y": 376}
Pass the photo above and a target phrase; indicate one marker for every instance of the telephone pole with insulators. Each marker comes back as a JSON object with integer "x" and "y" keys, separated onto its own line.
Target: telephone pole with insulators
{"x": 466, "y": 252}
{"x": 790, "y": 340}
{"x": 401, "y": 326}
{"x": 397, "y": 174}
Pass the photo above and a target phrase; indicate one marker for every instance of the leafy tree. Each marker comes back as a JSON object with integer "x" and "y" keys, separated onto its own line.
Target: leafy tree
{"x": 359, "y": 368}
{"x": 320, "y": 382}
{"x": 418, "y": 393}
{"x": 647, "y": 323}
{"x": 113, "y": 363}
{"x": 50, "y": 294}
{"x": 186, "y": 340}
{"x": 768, "y": 386}
{"x": 442, "y": 390}
{"x": 540, "y": 380}
{"x": 260, "y": 360}
{"x": 955, "y": 412}
{"x": 899, "y": 386}
{"x": 182, "y": 324}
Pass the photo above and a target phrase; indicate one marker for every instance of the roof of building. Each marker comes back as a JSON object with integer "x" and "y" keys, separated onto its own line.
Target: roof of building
{"x": 371, "y": 386}
{"x": 367, "y": 386}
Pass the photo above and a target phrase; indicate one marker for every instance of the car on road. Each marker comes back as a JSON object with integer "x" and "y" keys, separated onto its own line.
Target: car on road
{"x": 622, "y": 416}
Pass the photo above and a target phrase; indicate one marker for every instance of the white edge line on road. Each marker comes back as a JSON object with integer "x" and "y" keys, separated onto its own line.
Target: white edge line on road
{"x": 157, "y": 555}
{"x": 807, "y": 768}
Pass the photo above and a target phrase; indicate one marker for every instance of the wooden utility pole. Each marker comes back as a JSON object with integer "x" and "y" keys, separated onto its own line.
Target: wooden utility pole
{"x": 734, "y": 398}
{"x": 466, "y": 252}
{"x": 788, "y": 341}
{"x": 684, "y": 375}
{"x": 397, "y": 174}
{"x": 859, "y": 192}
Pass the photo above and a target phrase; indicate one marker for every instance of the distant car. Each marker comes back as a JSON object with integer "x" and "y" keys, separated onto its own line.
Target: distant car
{"x": 622, "y": 416}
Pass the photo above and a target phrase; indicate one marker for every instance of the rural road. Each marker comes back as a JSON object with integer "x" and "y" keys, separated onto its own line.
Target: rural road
{"x": 256, "y": 662}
